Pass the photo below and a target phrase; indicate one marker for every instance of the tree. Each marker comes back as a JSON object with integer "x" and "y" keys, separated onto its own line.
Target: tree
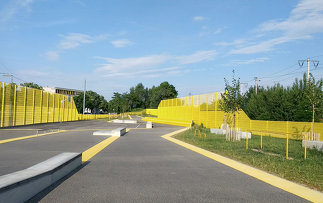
{"x": 314, "y": 95}
{"x": 231, "y": 101}
{"x": 31, "y": 85}
{"x": 163, "y": 91}
{"x": 94, "y": 102}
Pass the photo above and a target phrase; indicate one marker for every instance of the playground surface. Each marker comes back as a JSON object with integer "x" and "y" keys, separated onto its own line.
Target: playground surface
{"x": 138, "y": 167}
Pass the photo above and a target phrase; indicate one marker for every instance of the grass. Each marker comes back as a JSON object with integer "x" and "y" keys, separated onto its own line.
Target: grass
{"x": 271, "y": 159}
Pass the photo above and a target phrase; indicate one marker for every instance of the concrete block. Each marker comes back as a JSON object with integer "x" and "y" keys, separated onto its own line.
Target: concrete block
{"x": 22, "y": 185}
{"x": 313, "y": 144}
{"x": 115, "y": 132}
{"x": 124, "y": 121}
{"x": 149, "y": 124}
{"x": 243, "y": 135}
{"x": 217, "y": 131}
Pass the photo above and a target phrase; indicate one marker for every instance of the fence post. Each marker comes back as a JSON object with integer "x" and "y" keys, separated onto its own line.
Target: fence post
{"x": 14, "y": 106}
{"x": 41, "y": 106}
{"x": 53, "y": 108}
{"x": 215, "y": 109}
{"x": 47, "y": 107}
{"x": 200, "y": 109}
{"x": 25, "y": 101}
{"x": 207, "y": 111}
{"x": 246, "y": 140}
{"x": 33, "y": 114}
{"x": 261, "y": 140}
{"x": 287, "y": 140}
{"x": 287, "y": 146}
{"x": 305, "y": 146}
{"x": 2, "y": 103}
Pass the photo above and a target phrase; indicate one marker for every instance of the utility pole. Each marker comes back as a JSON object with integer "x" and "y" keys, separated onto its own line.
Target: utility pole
{"x": 84, "y": 96}
{"x": 8, "y": 75}
{"x": 256, "y": 84}
{"x": 301, "y": 63}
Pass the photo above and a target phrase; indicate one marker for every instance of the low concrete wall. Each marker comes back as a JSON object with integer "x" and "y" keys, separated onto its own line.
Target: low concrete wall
{"x": 124, "y": 121}
{"x": 115, "y": 132}
{"x": 22, "y": 185}
{"x": 313, "y": 144}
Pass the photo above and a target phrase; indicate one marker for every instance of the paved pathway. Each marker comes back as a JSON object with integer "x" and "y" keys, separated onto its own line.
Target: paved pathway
{"x": 143, "y": 167}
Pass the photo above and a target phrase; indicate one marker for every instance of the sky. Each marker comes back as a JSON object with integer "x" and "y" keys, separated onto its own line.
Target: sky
{"x": 193, "y": 45}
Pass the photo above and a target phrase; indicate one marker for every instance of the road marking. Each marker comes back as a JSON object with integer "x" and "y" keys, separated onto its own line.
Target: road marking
{"x": 91, "y": 152}
{"x": 138, "y": 125}
{"x": 294, "y": 188}
{"x": 85, "y": 130}
{"x": 28, "y": 137}
{"x": 129, "y": 116}
{"x": 20, "y": 129}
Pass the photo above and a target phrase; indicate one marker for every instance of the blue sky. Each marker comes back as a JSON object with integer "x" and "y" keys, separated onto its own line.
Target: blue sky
{"x": 191, "y": 44}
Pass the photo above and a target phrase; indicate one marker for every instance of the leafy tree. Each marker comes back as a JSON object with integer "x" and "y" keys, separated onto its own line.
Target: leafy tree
{"x": 314, "y": 95}
{"x": 32, "y": 85}
{"x": 163, "y": 91}
{"x": 280, "y": 103}
{"x": 231, "y": 100}
{"x": 94, "y": 102}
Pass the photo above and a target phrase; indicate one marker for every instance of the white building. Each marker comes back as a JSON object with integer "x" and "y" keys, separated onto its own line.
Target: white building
{"x": 64, "y": 91}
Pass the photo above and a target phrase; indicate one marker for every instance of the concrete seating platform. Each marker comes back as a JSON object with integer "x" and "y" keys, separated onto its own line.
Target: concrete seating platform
{"x": 22, "y": 185}
{"x": 115, "y": 132}
{"x": 124, "y": 121}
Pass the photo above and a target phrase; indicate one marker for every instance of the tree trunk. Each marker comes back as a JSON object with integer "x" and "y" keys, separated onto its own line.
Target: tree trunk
{"x": 234, "y": 126}
{"x": 313, "y": 109}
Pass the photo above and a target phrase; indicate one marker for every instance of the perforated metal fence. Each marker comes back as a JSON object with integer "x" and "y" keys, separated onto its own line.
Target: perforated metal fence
{"x": 24, "y": 106}
{"x": 204, "y": 109}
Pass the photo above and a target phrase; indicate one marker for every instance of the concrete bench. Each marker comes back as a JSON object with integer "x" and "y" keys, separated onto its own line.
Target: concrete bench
{"x": 22, "y": 185}
{"x": 115, "y": 132}
{"x": 124, "y": 121}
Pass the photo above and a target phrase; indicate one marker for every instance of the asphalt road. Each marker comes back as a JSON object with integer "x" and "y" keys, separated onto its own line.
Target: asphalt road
{"x": 143, "y": 167}
{"x": 18, "y": 155}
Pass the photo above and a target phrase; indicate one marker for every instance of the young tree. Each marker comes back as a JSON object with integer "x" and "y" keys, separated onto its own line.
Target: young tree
{"x": 314, "y": 95}
{"x": 231, "y": 100}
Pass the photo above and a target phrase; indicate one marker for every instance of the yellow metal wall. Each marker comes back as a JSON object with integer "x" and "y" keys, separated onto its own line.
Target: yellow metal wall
{"x": 25, "y": 106}
{"x": 204, "y": 109}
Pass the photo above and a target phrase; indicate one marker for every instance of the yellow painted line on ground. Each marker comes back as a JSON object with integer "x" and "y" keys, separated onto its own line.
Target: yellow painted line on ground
{"x": 129, "y": 116}
{"x": 85, "y": 130}
{"x": 28, "y": 137}
{"x": 20, "y": 129}
{"x": 88, "y": 154}
{"x": 294, "y": 188}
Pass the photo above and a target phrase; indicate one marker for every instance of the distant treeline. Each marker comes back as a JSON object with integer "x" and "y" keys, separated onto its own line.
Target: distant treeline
{"x": 138, "y": 97}
{"x": 278, "y": 103}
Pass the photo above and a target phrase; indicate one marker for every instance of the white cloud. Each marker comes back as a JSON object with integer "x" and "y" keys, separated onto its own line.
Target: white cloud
{"x": 303, "y": 22}
{"x": 233, "y": 43}
{"x": 121, "y": 43}
{"x": 199, "y": 18}
{"x": 197, "y": 57}
{"x": 152, "y": 65}
{"x": 120, "y": 65}
{"x": 73, "y": 40}
{"x": 218, "y": 31}
{"x": 52, "y": 55}
{"x": 248, "y": 61}
{"x": 13, "y": 8}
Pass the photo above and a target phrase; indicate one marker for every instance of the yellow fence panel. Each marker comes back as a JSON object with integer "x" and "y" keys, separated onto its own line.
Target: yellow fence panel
{"x": 204, "y": 109}
{"x": 24, "y": 106}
